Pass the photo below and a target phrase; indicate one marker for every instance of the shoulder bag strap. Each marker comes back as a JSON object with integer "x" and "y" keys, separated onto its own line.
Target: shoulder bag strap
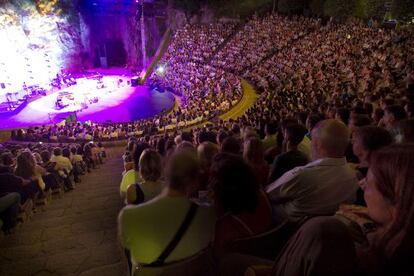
{"x": 177, "y": 237}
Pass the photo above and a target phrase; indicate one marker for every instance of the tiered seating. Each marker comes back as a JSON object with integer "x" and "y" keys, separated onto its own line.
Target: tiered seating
{"x": 36, "y": 173}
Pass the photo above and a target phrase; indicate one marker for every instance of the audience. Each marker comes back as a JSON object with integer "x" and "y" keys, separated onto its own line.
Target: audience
{"x": 150, "y": 168}
{"x": 291, "y": 157}
{"x": 146, "y": 230}
{"x": 28, "y": 178}
{"x": 320, "y": 84}
{"x": 388, "y": 193}
{"x": 242, "y": 207}
{"x": 319, "y": 187}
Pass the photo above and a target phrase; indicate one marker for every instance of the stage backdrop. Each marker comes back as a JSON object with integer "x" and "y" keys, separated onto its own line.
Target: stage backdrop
{"x": 38, "y": 39}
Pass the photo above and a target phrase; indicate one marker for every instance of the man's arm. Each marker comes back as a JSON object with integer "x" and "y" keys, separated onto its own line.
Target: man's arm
{"x": 285, "y": 188}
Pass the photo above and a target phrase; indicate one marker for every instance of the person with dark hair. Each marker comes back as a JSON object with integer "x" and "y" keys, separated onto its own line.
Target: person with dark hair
{"x": 253, "y": 154}
{"x": 150, "y": 168}
{"x": 160, "y": 146}
{"x": 165, "y": 214}
{"x": 187, "y": 136}
{"x": 291, "y": 156}
{"x": 206, "y": 136}
{"x": 6, "y": 162}
{"x": 358, "y": 120}
{"x": 392, "y": 115}
{"x": 241, "y": 204}
{"x": 221, "y": 136}
{"x": 270, "y": 131}
{"x": 27, "y": 169}
{"x": 366, "y": 140}
{"x": 405, "y": 131}
{"x": 311, "y": 122}
{"x": 377, "y": 116}
{"x": 62, "y": 162}
{"x": 206, "y": 152}
{"x": 235, "y": 130}
{"x": 231, "y": 145}
{"x": 132, "y": 176}
{"x": 389, "y": 193}
{"x": 9, "y": 209}
{"x": 342, "y": 114}
{"x": 63, "y": 166}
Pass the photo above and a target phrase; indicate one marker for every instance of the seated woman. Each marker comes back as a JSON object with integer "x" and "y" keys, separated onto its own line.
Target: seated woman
{"x": 165, "y": 214}
{"x": 27, "y": 169}
{"x": 241, "y": 204}
{"x": 132, "y": 176}
{"x": 365, "y": 140}
{"x": 254, "y": 155}
{"x": 323, "y": 246}
{"x": 150, "y": 167}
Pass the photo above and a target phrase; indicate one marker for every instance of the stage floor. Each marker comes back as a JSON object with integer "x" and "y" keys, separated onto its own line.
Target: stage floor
{"x": 115, "y": 104}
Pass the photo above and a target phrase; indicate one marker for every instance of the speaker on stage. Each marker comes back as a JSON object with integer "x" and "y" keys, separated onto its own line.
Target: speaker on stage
{"x": 3, "y": 85}
{"x": 135, "y": 81}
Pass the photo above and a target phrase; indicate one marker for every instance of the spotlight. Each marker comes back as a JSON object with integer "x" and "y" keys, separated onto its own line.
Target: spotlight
{"x": 161, "y": 70}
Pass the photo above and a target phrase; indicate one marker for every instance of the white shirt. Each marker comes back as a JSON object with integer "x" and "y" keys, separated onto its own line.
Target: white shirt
{"x": 315, "y": 189}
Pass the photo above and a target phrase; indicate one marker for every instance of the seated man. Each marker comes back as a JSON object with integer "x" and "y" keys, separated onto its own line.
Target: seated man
{"x": 319, "y": 187}
{"x": 62, "y": 163}
{"x": 146, "y": 230}
{"x": 291, "y": 157}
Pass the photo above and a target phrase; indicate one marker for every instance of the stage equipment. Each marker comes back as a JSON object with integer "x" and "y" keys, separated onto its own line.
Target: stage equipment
{"x": 135, "y": 81}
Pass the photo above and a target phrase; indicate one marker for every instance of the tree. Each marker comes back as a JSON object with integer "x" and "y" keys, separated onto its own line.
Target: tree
{"x": 291, "y": 6}
{"x": 316, "y": 7}
{"x": 189, "y": 7}
{"x": 403, "y": 10}
{"x": 339, "y": 9}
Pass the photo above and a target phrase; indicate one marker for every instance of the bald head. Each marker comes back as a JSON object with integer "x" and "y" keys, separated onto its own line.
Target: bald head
{"x": 330, "y": 138}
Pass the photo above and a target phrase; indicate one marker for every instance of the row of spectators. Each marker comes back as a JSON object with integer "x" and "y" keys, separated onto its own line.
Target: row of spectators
{"x": 31, "y": 174}
{"x": 240, "y": 195}
{"x": 314, "y": 179}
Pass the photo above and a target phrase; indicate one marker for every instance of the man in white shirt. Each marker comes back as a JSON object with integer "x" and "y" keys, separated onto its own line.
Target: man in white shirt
{"x": 319, "y": 187}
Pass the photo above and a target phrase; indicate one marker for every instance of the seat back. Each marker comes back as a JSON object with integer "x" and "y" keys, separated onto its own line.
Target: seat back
{"x": 201, "y": 264}
{"x": 266, "y": 245}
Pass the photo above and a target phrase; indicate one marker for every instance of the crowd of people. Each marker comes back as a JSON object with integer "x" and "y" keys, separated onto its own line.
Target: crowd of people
{"x": 30, "y": 174}
{"x": 325, "y": 153}
{"x": 322, "y": 159}
{"x": 260, "y": 37}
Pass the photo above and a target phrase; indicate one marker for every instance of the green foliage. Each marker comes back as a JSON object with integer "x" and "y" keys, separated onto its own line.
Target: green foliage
{"x": 289, "y": 6}
{"x": 235, "y": 8}
{"x": 189, "y": 7}
{"x": 340, "y": 9}
{"x": 403, "y": 10}
{"x": 316, "y": 7}
{"x": 375, "y": 9}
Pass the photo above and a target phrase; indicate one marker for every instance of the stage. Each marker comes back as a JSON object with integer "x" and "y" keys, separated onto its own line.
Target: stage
{"x": 111, "y": 99}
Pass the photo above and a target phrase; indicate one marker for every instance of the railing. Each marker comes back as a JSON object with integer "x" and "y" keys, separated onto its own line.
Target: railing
{"x": 165, "y": 42}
